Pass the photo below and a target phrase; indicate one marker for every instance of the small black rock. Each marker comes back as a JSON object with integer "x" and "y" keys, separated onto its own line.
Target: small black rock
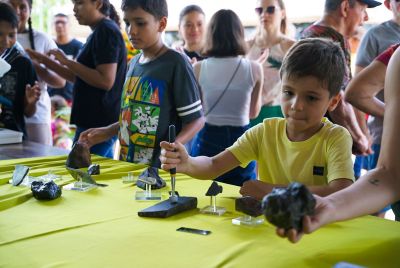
{"x": 94, "y": 169}
{"x": 153, "y": 173}
{"x": 45, "y": 191}
{"x": 214, "y": 189}
{"x": 286, "y": 207}
{"x": 249, "y": 205}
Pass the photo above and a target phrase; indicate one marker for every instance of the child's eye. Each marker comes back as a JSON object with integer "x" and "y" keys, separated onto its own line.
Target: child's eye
{"x": 287, "y": 93}
{"x": 312, "y": 98}
{"x": 140, "y": 24}
{"x": 127, "y": 24}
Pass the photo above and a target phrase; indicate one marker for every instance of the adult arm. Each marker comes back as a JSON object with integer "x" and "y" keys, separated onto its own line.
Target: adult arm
{"x": 363, "y": 88}
{"x": 256, "y": 94}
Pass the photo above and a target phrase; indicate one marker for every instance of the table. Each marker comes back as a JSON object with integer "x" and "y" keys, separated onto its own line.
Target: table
{"x": 101, "y": 228}
{"x": 29, "y": 149}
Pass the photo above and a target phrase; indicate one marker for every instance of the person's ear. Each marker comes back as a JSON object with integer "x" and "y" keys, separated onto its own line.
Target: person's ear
{"x": 162, "y": 24}
{"x": 334, "y": 101}
{"x": 387, "y": 4}
{"x": 98, "y": 4}
{"x": 283, "y": 14}
{"x": 344, "y": 8}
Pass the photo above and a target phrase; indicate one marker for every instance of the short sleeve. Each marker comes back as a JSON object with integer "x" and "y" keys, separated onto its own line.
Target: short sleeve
{"x": 368, "y": 49}
{"x": 339, "y": 162}
{"x": 385, "y": 56}
{"x": 246, "y": 148}
{"x": 108, "y": 45}
{"x": 186, "y": 91}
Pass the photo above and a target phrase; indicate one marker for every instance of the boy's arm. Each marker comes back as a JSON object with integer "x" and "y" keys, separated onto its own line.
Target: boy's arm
{"x": 174, "y": 155}
{"x": 190, "y": 130}
{"x": 258, "y": 189}
{"x": 333, "y": 186}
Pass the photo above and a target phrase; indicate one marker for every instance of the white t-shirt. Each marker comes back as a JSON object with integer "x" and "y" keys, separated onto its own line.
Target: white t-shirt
{"x": 43, "y": 43}
{"x": 234, "y": 107}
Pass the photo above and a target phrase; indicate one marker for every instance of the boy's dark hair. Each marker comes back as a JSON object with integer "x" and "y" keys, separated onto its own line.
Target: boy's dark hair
{"x": 61, "y": 15}
{"x": 8, "y": 14}
{"x": 157, "y": 8}
{"x": 225, "y": 35}
{"x": 189, "y": 9}
{"x": 317, "y": 57}
{"x": 332, "y": 5}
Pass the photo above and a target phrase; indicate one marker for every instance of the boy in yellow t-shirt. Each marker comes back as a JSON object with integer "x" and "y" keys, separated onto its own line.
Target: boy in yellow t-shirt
{"x": 304, "y": 146}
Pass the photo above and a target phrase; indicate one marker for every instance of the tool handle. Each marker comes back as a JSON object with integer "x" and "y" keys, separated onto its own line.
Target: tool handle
{"x": 172, "y": 136}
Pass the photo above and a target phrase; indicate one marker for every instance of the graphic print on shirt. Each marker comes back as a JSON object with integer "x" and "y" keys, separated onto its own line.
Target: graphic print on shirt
{"x": 140, "y": 111}
{"x": 7, "y": 93}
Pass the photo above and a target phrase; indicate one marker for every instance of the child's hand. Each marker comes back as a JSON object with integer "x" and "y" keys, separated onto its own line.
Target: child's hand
{"x": 59, "y": 55}
{"x": 93, "y": 136}
{"x": 173, "y": 155}
{"x": 32, "y": 93}
{"x": 36, "y": 56}
{"x": 256, "y": 189}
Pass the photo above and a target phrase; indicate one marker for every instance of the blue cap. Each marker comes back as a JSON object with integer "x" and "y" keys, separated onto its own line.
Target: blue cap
{"x": 370, "y": 3}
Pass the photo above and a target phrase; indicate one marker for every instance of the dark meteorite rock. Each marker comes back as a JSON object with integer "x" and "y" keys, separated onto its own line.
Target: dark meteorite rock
{"x": 94, "y": 169}
{"x": 45, "y": 191}
{"x": 214, "y": 189}
{"x": 285, "y": 208}
{"x": 249, "y": 205}
{"x": 79, "y": 157}
{"x": 151, "y": 172}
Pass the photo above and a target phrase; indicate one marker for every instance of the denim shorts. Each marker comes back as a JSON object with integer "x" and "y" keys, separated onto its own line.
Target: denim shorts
{"x": 212, "y": 140}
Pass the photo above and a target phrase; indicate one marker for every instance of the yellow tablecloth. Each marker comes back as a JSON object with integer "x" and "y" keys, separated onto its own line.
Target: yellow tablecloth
{"x": 101, "y": 228}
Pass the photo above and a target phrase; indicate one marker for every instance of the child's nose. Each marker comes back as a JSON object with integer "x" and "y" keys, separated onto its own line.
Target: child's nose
{"x": 297, "y": 104}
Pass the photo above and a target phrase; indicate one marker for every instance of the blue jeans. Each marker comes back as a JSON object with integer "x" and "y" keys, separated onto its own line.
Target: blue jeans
{"x": 105, "y": 149}
{"x": 367, "y": 162}
{"x": 212, "y": 140}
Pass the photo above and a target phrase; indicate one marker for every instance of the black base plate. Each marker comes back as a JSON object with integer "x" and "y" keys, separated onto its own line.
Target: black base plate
{"x": 166, "y": 208}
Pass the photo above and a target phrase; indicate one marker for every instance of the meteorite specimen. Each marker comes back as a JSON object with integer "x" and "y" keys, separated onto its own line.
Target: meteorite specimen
{"x": 214, "y": 189}
{"x": 286, "y": 207}
{"x": 94, "y": 169}
{"x": 249, "y": 205}
{"x": 79, "y": 157}
{"x": 45, "y": 190}
{"x": 151, "y": 172}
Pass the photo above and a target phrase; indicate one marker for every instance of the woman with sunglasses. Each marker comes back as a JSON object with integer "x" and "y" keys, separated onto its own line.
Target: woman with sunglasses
{"x": 272, "y": 43}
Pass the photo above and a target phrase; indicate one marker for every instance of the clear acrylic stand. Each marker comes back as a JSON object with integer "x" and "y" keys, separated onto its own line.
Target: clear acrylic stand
{"x": 80, "y": 185}
{"x": 50, "y": 176}
{"x": 129, "y": 179}
{"x": 248, "y": 220}
{"x": 147, "y": 195}
{"x": 213, "y": 209}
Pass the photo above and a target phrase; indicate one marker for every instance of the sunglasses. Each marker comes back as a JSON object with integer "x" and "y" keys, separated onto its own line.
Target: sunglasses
{"x": 269, "y": 10}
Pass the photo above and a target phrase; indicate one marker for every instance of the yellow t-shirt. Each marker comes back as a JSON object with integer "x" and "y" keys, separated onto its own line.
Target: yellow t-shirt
{"x": 324, "y": 157}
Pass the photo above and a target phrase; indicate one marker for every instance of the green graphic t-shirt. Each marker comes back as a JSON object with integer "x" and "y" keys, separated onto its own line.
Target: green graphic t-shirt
{"x": 155, "y": 95}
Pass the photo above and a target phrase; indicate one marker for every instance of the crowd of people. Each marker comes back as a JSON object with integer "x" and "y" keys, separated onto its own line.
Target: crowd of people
{"x": 210, "y": 88}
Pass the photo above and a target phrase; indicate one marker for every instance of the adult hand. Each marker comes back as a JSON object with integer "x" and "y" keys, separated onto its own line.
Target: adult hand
{"x": 174, "y": 155}
{"x": 32, "y": 93}
{"x": 59, "y": 55}
{"x": 362, "y": 146}
{"x": 324, "y": 211}
{"x": 256, "y": 189}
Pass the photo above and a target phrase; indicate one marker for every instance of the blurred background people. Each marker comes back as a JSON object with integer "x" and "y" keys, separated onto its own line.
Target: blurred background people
{"x": 70, "y": 46}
